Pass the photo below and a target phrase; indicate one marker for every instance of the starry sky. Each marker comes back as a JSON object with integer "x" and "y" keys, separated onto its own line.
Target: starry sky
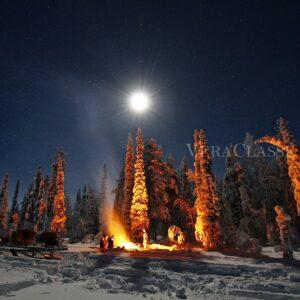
{"x": 67, "y": 68}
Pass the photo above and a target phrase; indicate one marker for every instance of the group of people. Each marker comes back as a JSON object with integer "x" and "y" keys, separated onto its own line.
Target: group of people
{"x": 106, "y": 242}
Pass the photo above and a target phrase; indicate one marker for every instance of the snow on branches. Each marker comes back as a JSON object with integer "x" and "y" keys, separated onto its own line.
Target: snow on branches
{"x": 207, "y": 227}
{"x": 4, "y": 209}
{"x": 139, "y": 206}
{"x": 128, "y": 183}
{"x": 59, "y": 218}
{"x": 287, "y": 143}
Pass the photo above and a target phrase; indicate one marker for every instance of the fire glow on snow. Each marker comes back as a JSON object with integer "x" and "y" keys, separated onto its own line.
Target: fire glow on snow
{"x": 122, "y": 240}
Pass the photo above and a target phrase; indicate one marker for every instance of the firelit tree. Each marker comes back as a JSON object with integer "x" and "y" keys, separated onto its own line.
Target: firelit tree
{"x": 156, "y": 185}
{"x": 14, "y": 215}
{"x": 285, "y": 189}
{"x": 59, "y": 213}
{"x": 207, "y": 205}
{"x": 4, "y": 209}
{"x": 51, "y": 192}
{"x": 35, "y": 197}
{"x": 287, "y": 143}
{"x": 139, "y": 205}
{"x": 285, "y": 183}
{"x": 128, "y": 184}
{"x": 40, "y": 224}
{"x": 102, "y": 205}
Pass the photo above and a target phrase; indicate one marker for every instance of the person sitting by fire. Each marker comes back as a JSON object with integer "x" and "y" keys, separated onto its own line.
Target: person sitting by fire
{"x": 104, "y": 242}
{"x": 146, "y": 240}
{"x": 110, "y": 243}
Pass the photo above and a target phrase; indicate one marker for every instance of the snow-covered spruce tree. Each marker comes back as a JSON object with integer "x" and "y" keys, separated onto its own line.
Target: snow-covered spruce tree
{"x": 25, "y": 210}
{"x": 186, "y": 187}
{"x": 59, "y": 212}
{"x": 128, "y": 184}
{"x": 30, "y": 205}
{"x": 156, "y": 186}
{"x": 283, "y": 221}
{"x": 285, "y": 183}
{"x": 139, "y": 206}
{"x": 14, "y": 214}
{"x": 184, "y": 211}
{"x": 40, "y": 223}
{"x": 4, "y": 208}
{"x": 85, "y": 214}
{"x": 119, "y": 197}
{"x": 231, "y": 209}
{"x": 79, "y": 216}
{"x": 251, "y": 163}
{"x": 91, "y": 208}
{"x": 242, "y": 217}
{"x": 252, "y": 223}
{"x": 51, "y": 192}
{"x": 255, "y": 166}
{"x": 207, "y": 204}
{"x": 275, "y": 189}
{"x": 285, "y": 197}
{"x": 172, "y": 190}
{"x": 287, "y": 143}
{"x": 69, "y": 215}
{"x": 35, "y": 203}
{"x": 102, "y": 205}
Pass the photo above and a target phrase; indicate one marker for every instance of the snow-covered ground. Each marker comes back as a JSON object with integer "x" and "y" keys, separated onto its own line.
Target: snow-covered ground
{"x": 90, "y": 275}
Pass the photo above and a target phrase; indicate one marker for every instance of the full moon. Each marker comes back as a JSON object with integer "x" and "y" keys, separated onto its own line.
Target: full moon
{"x": 139, "y": 101}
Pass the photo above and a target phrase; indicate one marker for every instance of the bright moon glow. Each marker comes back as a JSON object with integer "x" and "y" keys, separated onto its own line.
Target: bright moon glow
{"x": 139, "y": 101}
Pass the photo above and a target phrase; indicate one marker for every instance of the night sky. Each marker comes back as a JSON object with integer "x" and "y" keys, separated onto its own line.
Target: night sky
{"x": 67, "y": 68}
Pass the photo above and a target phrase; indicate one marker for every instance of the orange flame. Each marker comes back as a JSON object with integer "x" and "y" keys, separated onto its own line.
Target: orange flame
{"x": 116, "y": 228}
{"x": 122, "y": 240}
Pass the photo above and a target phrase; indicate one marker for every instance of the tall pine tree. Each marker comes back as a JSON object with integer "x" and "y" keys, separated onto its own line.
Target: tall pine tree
{"x": 26, "y": 211}
{"x": 14, "y": 215}
{"x": 156, "y": 185}
{"x": 231, "y": 208}
{"x": 207, "y": 205}
{"x": 59, "y": 214}
{"x": 40, "y": 224}
{"x": 286, "y": 142}
{"x": 139, "y": 207}
{"x": 79, "y": 217}
{"x": 35, "y": 197}
{"x": 128, "y": 184}
{"x": 184, "y": 211}
{"x": 4, "y": 208}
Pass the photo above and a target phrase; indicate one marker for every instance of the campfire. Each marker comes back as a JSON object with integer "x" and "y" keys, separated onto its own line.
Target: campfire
{"x": 122, "y": 240}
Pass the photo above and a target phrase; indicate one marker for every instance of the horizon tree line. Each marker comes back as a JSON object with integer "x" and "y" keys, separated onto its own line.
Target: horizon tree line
{"x": 152, "y": 194}
{"x": 46, "y": 207}
{"x": 215, "y": 212}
